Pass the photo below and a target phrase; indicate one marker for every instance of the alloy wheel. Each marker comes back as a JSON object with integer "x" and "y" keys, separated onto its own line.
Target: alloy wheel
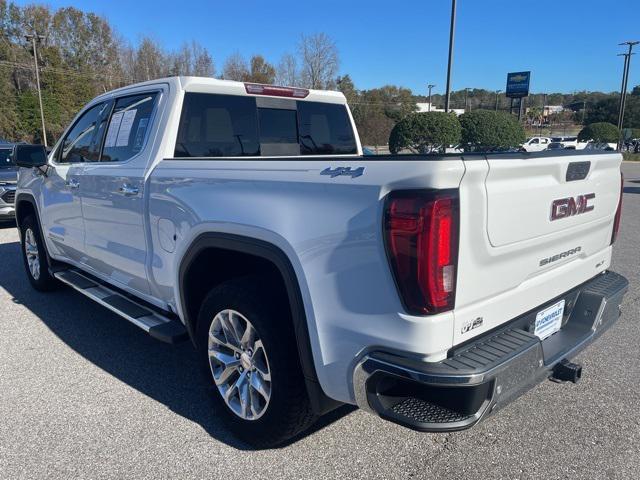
{"x": 239, "y": 364}
{"x": 31, "y": 252}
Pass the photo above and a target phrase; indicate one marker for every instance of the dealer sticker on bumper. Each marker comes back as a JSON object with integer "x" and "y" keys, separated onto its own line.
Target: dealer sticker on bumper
{"x": 549, "y": 320}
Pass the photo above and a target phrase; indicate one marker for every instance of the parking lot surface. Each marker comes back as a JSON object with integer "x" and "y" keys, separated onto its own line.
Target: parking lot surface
{"x": 84, "y": 394}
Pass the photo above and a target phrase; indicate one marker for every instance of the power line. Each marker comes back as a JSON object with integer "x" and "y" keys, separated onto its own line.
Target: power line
{"x": 66, "y": 71}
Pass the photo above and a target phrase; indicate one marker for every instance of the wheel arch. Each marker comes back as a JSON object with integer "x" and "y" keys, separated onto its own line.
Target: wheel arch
{"x": 26, "y": 204}
{"x": 265, "y": 252}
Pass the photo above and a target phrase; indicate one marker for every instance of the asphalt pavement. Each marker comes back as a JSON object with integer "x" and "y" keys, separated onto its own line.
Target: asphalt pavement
{"x": 84, "y": 394}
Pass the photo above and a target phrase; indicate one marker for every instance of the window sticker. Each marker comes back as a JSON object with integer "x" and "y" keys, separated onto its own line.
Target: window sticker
{"x": 125, "y": 128}
{"x": 140, "y": 131}
{"x": 114, "y": 126}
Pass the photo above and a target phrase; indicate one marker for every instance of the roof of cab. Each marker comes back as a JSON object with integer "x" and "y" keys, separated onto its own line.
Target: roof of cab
{"x": 228, "y": 87}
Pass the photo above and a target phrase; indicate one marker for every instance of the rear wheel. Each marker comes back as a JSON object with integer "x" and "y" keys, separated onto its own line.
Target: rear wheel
{"x": 34, "y": 255}
{"x": 248, "y": 350}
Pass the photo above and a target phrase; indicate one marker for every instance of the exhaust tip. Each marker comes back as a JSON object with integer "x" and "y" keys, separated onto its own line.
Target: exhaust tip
{"x": 565, "y": 371}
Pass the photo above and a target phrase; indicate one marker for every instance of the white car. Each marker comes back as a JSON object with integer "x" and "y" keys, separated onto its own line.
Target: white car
{"x": 430, "y": 290}
{"x": 569, "y": 143}
{"x": 536, "y": 144}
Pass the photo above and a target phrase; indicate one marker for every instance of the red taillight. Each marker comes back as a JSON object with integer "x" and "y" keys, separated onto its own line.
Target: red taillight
{"x": 421, "y": 234}
{"x": 616, "y": 220}
{"x": 275, "y": 91}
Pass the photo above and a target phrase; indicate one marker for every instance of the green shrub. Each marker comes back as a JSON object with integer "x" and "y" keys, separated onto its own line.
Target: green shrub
{"x": 485, "y": 130}
{"x": 600, "y": 132}
{"x": 423, "y": 132}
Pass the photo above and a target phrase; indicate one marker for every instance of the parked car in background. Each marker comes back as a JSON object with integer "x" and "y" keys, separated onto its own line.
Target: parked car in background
{"x": 8, "y": 180}
{"x": 568, "y": 143}
{"x": 454, "y": 149}
{"x": 536, "y": 144}
{"x": 556, "y": 146}
{"x": 368, "y": 151}
{"x": 591, "y": 145}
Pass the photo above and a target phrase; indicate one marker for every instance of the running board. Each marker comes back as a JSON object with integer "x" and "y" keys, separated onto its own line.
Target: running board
{"x": 154, "y": 323}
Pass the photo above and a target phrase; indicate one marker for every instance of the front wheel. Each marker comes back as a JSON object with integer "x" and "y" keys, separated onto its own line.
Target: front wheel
{"x": 34, "y": 255}
{"x": 247, "y": 346}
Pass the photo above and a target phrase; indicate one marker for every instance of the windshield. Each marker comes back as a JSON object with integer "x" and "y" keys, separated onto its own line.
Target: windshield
{"x": 5, "y": 158}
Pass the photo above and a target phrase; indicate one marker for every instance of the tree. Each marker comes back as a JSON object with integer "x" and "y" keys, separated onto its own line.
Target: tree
{"x": 80, "y": 56}
{"x": 348, "y": 89}
{"x": 606, "y": 110}
{"x": 258, "y": 70}
{"x": 235, "y": 68}
{"x": 261, "y": 71}
{"x": 486, "y": 130}
{"x": 374, "y": 129}
{"x": 192, "y": 59}
{"x": 600, "y": 132}
{"x": 422, "y": 132}
{"x": 287, "y": 72}
{"x": 636, "y": 91}
{"x": 150, "y": 61}
{"x": 319, "y": 58}
{"x": 376, "y": 111}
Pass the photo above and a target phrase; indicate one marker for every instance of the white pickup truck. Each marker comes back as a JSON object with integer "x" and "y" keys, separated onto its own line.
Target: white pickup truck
{"x": 428, "y": 289}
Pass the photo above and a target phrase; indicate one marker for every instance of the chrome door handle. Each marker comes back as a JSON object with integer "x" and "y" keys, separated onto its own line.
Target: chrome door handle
{"x": 128, "y": 190}
{"x": 73, "y": 183}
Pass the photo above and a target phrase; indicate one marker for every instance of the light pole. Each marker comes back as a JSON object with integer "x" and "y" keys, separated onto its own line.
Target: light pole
{"x": 544, "y": 107}
{"x": 430, "y": 86}
{"x": 32, "y": 39}
{"x": 452, "y": 29}
{"x": 497, "y": 94}
{"x": 623, "y": 90}
{"x": 466, "y": 97}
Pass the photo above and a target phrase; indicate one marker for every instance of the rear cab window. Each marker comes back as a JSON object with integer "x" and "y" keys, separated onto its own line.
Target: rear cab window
{"x": 325, "y": 129}
{"x": 217, "y": 126}
{"x": 214, "y": 125}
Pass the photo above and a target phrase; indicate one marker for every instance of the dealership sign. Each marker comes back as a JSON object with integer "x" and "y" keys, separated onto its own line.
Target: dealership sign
{"x": 518, "y": 84}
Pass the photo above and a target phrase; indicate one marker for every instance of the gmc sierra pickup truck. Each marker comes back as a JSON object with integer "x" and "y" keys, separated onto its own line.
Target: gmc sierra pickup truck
{"x": 430, "y": 290}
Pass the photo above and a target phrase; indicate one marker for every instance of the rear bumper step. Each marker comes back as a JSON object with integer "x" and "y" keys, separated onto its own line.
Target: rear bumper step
{"x": 156, "y": 324}
{"x": 482, "y": 376}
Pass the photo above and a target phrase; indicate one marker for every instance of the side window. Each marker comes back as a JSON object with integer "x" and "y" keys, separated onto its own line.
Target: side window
{"x": 82, "y": 143}
{"x": 128, "y": 127}
{"x": 325, "y": 128}
{"x": 534, "y": 141}
{"x": 214, "y": 125}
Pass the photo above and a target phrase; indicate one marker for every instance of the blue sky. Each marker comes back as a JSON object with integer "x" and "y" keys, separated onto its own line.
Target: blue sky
{"x": 568, "y": 45}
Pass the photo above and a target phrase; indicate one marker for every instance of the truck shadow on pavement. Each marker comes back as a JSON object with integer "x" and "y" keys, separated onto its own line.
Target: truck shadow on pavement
{"x": 167, "y": 373}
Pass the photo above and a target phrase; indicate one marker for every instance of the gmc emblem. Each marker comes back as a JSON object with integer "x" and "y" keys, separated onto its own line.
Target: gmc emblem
{"x": 567, "y": 207}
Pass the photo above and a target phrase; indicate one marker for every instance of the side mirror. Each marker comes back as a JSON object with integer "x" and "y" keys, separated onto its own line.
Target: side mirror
{"x": 29, "y": 156}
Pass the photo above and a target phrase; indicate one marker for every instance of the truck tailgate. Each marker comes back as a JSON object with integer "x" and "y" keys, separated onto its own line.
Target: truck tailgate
{"x": 520, "y": 193}
{"x": 539, "y": 226}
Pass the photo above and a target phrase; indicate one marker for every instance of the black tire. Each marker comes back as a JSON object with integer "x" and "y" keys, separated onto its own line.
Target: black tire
{"x": 44, "y": 281}
{"x": 288, "y": 411}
